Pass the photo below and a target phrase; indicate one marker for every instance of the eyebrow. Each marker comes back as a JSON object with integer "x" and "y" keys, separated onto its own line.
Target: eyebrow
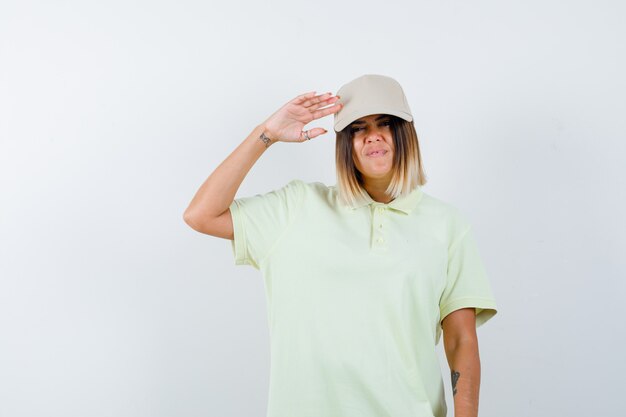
{"x": 358, "y": 122}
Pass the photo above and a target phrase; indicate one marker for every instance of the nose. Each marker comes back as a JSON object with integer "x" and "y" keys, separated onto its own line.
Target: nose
{"x": 374, "y": 134}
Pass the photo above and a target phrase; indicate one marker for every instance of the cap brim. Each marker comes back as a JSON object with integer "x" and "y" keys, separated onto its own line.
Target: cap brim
{"x": 345, "y": 119}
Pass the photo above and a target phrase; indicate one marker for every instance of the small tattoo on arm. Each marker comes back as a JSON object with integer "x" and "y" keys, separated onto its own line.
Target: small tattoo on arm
{"x": 455, "y": 378}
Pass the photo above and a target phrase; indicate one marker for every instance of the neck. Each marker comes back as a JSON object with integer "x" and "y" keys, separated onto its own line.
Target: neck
{"x": 376, "y": 188}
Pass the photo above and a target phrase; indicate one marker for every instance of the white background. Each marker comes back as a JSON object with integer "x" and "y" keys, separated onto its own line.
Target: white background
{"x": 113, "y": 113}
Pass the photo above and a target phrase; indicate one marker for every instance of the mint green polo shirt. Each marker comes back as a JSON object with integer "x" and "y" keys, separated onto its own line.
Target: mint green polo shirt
{"x": 356, "y": 295}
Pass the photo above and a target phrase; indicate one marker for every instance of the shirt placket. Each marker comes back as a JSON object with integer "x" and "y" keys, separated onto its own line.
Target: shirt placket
{"x": 378, "y": 234}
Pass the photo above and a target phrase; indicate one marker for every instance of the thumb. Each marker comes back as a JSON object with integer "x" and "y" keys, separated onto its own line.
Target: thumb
{"x": 315, "y": 132}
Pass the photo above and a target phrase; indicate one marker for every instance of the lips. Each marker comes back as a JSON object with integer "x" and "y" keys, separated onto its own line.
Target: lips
{"x": 376, "y": 153}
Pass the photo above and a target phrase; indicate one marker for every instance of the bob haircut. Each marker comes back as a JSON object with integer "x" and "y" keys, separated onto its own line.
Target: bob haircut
{"x": 407, "y": 171}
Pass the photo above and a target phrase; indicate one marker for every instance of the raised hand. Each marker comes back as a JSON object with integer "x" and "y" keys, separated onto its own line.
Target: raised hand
{"x": 287, "y": 123}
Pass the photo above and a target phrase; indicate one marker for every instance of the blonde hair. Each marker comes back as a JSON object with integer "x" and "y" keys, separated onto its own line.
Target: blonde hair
{"x": 407, "y": 171}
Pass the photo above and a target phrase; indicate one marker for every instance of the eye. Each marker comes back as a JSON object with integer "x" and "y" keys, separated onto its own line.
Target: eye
{"x": 384, "y": 123}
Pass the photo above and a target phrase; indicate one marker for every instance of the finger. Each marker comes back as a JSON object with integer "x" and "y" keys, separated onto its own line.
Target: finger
{"x": 302, "y": 97}
{"x": 315, "y": 100}
{"x": 313, "y": 133}
{"x": 323, "y": 103}
{"x": 326, "y": 111}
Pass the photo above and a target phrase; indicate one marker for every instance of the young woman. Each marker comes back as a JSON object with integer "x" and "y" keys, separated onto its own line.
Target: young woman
{"x": 361, "y": 277}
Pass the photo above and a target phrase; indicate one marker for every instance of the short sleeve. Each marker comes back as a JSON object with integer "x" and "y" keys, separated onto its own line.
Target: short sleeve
{"x": 467, "y": 284}
{"x": 259, "y": 222}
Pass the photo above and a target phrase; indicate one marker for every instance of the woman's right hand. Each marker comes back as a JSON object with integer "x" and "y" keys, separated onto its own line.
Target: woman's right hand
{"x": 286, "y": 124}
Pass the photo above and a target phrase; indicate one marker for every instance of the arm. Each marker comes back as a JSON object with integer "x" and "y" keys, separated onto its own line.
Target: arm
{"x": 461, "y": 347}
{"x": 212, "y": 200}
{"x": 209, "y": 211}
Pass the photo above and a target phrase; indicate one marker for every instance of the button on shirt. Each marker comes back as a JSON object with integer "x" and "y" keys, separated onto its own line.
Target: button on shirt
{"x": 356, "y": 295}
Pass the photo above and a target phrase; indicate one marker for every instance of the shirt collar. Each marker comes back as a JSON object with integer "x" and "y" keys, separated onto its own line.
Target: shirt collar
{"x": 404, "y": 203}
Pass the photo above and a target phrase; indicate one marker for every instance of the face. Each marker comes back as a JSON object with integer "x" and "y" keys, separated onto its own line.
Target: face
{"x": 373, "y": 146}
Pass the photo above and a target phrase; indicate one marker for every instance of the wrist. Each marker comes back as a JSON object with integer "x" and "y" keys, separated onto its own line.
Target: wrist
{"x": 265, "y": 136}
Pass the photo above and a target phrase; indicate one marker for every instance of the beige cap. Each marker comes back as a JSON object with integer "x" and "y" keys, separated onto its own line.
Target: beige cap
{"x": 371, "y": 94}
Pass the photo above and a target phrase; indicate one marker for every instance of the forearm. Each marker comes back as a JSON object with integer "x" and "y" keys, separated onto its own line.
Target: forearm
{"x": 218, "y": 191}
{"x": 464, "y": 364}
